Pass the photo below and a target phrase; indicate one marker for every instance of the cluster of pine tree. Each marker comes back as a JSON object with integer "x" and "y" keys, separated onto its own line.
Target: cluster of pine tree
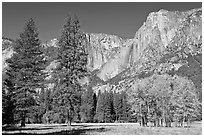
{"x": 26, "y": 98}
{"x": 112, "y": 107}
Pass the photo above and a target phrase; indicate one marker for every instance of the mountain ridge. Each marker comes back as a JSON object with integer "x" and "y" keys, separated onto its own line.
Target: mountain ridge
{"x": 163, "y": 43}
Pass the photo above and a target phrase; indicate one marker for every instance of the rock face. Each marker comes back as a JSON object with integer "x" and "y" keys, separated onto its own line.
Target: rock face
{"x": 167, "y": 34}
{"x": 162, "y": 31}
{"x": 167, "y": 42}
{"x": 7, "y": 51}
{"x": 101, "y": 49}
{"x": 108, "y": 54}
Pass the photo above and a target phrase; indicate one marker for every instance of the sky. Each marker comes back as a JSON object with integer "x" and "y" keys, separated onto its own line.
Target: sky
{"x": 118, "y": 18}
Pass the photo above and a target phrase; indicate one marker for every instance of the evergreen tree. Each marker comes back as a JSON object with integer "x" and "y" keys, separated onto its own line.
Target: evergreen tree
{"x": 88, "y": 106}
{"x": 94, "y": 103}
{"x": 7, "y": 102}
{"x": 117, "y": 102}
{"x": 109, "y": 107}
{"x": 72, "y": 57}
{"x": 26, "y": 69}
{"x": 100, "y": 108}
{"x": 125, "y": 107}
{"x": 43, "y": 104}
{"x": 47, "y": 99}
{"x": 121, "y": 107}
{"x": 105, "y": 108}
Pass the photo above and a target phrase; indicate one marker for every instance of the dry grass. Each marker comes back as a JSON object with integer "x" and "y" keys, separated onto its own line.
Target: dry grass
{"x": 104, "y": 129}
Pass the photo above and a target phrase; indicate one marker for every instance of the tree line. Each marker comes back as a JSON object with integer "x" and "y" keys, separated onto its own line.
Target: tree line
{"x": 162, "y": 100}
{"x": 27, "y": 96}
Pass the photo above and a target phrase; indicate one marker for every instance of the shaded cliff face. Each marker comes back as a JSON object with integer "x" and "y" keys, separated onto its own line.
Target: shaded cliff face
{"x": 101, "y": 48}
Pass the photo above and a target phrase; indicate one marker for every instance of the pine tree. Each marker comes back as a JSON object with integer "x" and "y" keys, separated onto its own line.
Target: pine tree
{"x": 88, "y": 106}
{"x": 8, "y": 106}
{"x": 26, "y": 68}
{"x": 100, "y": 108}
{"x": 117, "y": 102}
{"x": 94, "y": 103}
{"x": 108, "y": 107}
{"x": 43, "y": 104}
{"x": 105, "y": 108}
{"x": 72, "y": 57}
{"x": 125, "y": 106}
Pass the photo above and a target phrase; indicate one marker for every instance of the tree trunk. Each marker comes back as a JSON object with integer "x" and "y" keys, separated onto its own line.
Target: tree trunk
{"x": 149, "y": 123}
{"x": 176, "y": 121}
{"x": 162, "y": 122}
{"x": 158, "y": 122}
{"x": 146, "y": 120}
{"x": 155, "y": 120}
{"x": 169, "y": 123}
{"x": 23, "y": 123}
{"x": 143, "y": 121}
{"x": 188, "y": 122}
{"x": 68, "y": 121}
{"x": 183, "y": 120}
{"x": 163, "y": 114}
{"x": 23, "y": 120}
{"x": 140, "y": 120}
{"x": 116, "y": 117}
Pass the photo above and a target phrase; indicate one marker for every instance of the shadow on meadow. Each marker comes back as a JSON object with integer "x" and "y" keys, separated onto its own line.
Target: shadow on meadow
{"x": 75, "y": 131}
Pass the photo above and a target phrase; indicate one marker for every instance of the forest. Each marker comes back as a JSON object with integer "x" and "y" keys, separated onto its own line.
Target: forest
{"x": 31, "y": 95}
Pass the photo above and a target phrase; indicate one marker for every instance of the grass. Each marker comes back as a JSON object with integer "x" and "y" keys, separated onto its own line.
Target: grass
{"x": 102, "y": 129}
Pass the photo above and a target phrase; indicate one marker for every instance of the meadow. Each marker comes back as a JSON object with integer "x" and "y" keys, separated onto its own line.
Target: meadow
{"x": 102, "y": 129}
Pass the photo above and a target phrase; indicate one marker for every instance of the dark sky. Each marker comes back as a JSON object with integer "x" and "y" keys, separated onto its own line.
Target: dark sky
{"x": 120, "y": 18}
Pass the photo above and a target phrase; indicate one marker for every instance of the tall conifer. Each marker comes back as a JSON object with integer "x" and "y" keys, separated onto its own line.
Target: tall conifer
{"x": 72, "y": 57}
{"x": 26, "y": 69}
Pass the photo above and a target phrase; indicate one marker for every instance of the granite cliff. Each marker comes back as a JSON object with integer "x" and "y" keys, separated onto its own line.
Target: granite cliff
{"x": 7, "y": 51}
{"x": 169, "y": 42}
